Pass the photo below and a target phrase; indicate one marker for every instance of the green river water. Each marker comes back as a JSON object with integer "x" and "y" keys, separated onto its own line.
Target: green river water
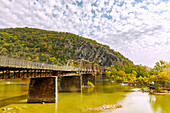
{"x": 13, "y": 95}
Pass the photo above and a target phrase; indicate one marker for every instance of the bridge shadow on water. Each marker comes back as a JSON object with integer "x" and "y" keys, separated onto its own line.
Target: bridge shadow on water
{"x": 13, "y": 100}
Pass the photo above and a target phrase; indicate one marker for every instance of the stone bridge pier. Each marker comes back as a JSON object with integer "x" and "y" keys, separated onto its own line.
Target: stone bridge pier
{"x": 70, "y": 83}
{"x": 43, "y": 89}
{"x": 88, "y": 77}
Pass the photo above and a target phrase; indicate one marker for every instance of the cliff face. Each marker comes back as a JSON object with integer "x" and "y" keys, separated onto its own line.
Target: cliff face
{"x": 96, "y": 53}
{"x": 93, "y": 52}
{"x": 55, "y": 47}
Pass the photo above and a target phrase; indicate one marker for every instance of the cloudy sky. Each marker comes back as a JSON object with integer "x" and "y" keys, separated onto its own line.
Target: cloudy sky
{"x": 139, "y": 29}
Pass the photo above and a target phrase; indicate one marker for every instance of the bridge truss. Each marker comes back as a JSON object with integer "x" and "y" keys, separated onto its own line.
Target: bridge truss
{"x": 13, "y": 68}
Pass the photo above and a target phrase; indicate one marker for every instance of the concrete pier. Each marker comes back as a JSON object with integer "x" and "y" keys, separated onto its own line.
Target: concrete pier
{"x": 88, "y": 77}
{"x": 43, "y": 90}
{"x": 70, "y": 83}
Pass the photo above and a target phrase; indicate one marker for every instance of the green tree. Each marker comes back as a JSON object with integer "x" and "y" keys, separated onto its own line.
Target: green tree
{"x": 4, "y": 51}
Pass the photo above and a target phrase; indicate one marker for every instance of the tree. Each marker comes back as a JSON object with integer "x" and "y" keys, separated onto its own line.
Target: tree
{"x": 132, "y": 77}
{"x": 108, "y": 74}
{"x": 162, "y": 75}
{"x": 4, "y": 51}
{"x": 44, "y": 57}
{"x": 159, "y": 66}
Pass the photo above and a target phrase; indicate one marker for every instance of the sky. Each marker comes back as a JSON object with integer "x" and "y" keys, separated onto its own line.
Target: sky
{"x": 138, "y": 29}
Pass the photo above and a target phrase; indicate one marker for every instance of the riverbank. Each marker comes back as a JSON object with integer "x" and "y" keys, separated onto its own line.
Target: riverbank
{"x": 150, "y": 89}
{"x": 156, "y": 92}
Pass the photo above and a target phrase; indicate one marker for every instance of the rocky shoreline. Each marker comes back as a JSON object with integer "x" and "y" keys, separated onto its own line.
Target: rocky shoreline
{"x": 13, "y": 108}
{"x": 105, "y": 107}
{"x": 156, "y": 92}
{"x": 151, "y": 89}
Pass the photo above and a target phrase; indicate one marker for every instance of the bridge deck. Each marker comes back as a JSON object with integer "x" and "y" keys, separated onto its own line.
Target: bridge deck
{"x": 10, "y": 67}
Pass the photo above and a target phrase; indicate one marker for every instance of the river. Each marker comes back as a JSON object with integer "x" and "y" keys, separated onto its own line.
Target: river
{"x": 13, "y": 95}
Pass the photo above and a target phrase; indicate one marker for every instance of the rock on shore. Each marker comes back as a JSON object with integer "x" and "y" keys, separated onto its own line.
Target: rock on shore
{"x": 105, "y": 107}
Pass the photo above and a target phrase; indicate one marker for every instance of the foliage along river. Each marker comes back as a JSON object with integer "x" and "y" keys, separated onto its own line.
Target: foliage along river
{"x": 13, "y": 95}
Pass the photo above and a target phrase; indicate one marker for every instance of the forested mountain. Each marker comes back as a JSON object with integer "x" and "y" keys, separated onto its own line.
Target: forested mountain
{"x": 56, "y": 47}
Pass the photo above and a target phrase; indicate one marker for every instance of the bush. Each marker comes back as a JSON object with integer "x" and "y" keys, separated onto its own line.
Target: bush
{"x": 90, "y": 84}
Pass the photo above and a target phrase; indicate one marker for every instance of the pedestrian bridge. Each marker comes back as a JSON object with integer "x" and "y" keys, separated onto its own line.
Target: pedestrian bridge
{"x": 43, "y": 76}
{"x": 12, "y": 68}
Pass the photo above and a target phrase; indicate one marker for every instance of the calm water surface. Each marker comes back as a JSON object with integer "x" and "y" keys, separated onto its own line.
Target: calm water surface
{"x": 12, "y": 94}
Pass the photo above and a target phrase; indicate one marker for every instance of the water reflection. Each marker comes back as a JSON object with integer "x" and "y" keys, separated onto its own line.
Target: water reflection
{"x": 88, "y": 90}
{"x": 13, "y": 100}
{"x": 160, "y": 104}
{"x": 12, "y": 95}
{"x": 56, "y": 106}
{"x": 135, "y": 102}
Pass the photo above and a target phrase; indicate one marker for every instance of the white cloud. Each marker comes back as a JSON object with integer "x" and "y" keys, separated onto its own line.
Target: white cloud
{"x": 138, "y": 30}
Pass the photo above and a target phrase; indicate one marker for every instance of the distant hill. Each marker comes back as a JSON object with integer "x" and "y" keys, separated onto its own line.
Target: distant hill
{"x": 56, "y": 47}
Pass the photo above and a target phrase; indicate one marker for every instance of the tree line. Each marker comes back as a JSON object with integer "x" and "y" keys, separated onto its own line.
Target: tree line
{"x": 138, "y": 74}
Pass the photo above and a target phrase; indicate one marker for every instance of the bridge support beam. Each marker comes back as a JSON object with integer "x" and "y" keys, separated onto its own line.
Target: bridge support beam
{"x": 43, "y": 90}
{"x": 88, "y": 77}
{"x": 70, "y": 83}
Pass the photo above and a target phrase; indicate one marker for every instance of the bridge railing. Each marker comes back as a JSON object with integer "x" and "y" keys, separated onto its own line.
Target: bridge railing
{"x": 21, "y": 63}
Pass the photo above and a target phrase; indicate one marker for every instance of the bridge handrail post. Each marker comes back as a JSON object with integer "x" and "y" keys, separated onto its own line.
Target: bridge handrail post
{"x": 12, "y": 61}
{"x": 8, "y": 61}
{"x": 30, "y": 64}
{"x": 4, "y": 61}
{"x": 23, "y": 63}
{"x": 0, "y": 60}
{"x": 26, "y": 63}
